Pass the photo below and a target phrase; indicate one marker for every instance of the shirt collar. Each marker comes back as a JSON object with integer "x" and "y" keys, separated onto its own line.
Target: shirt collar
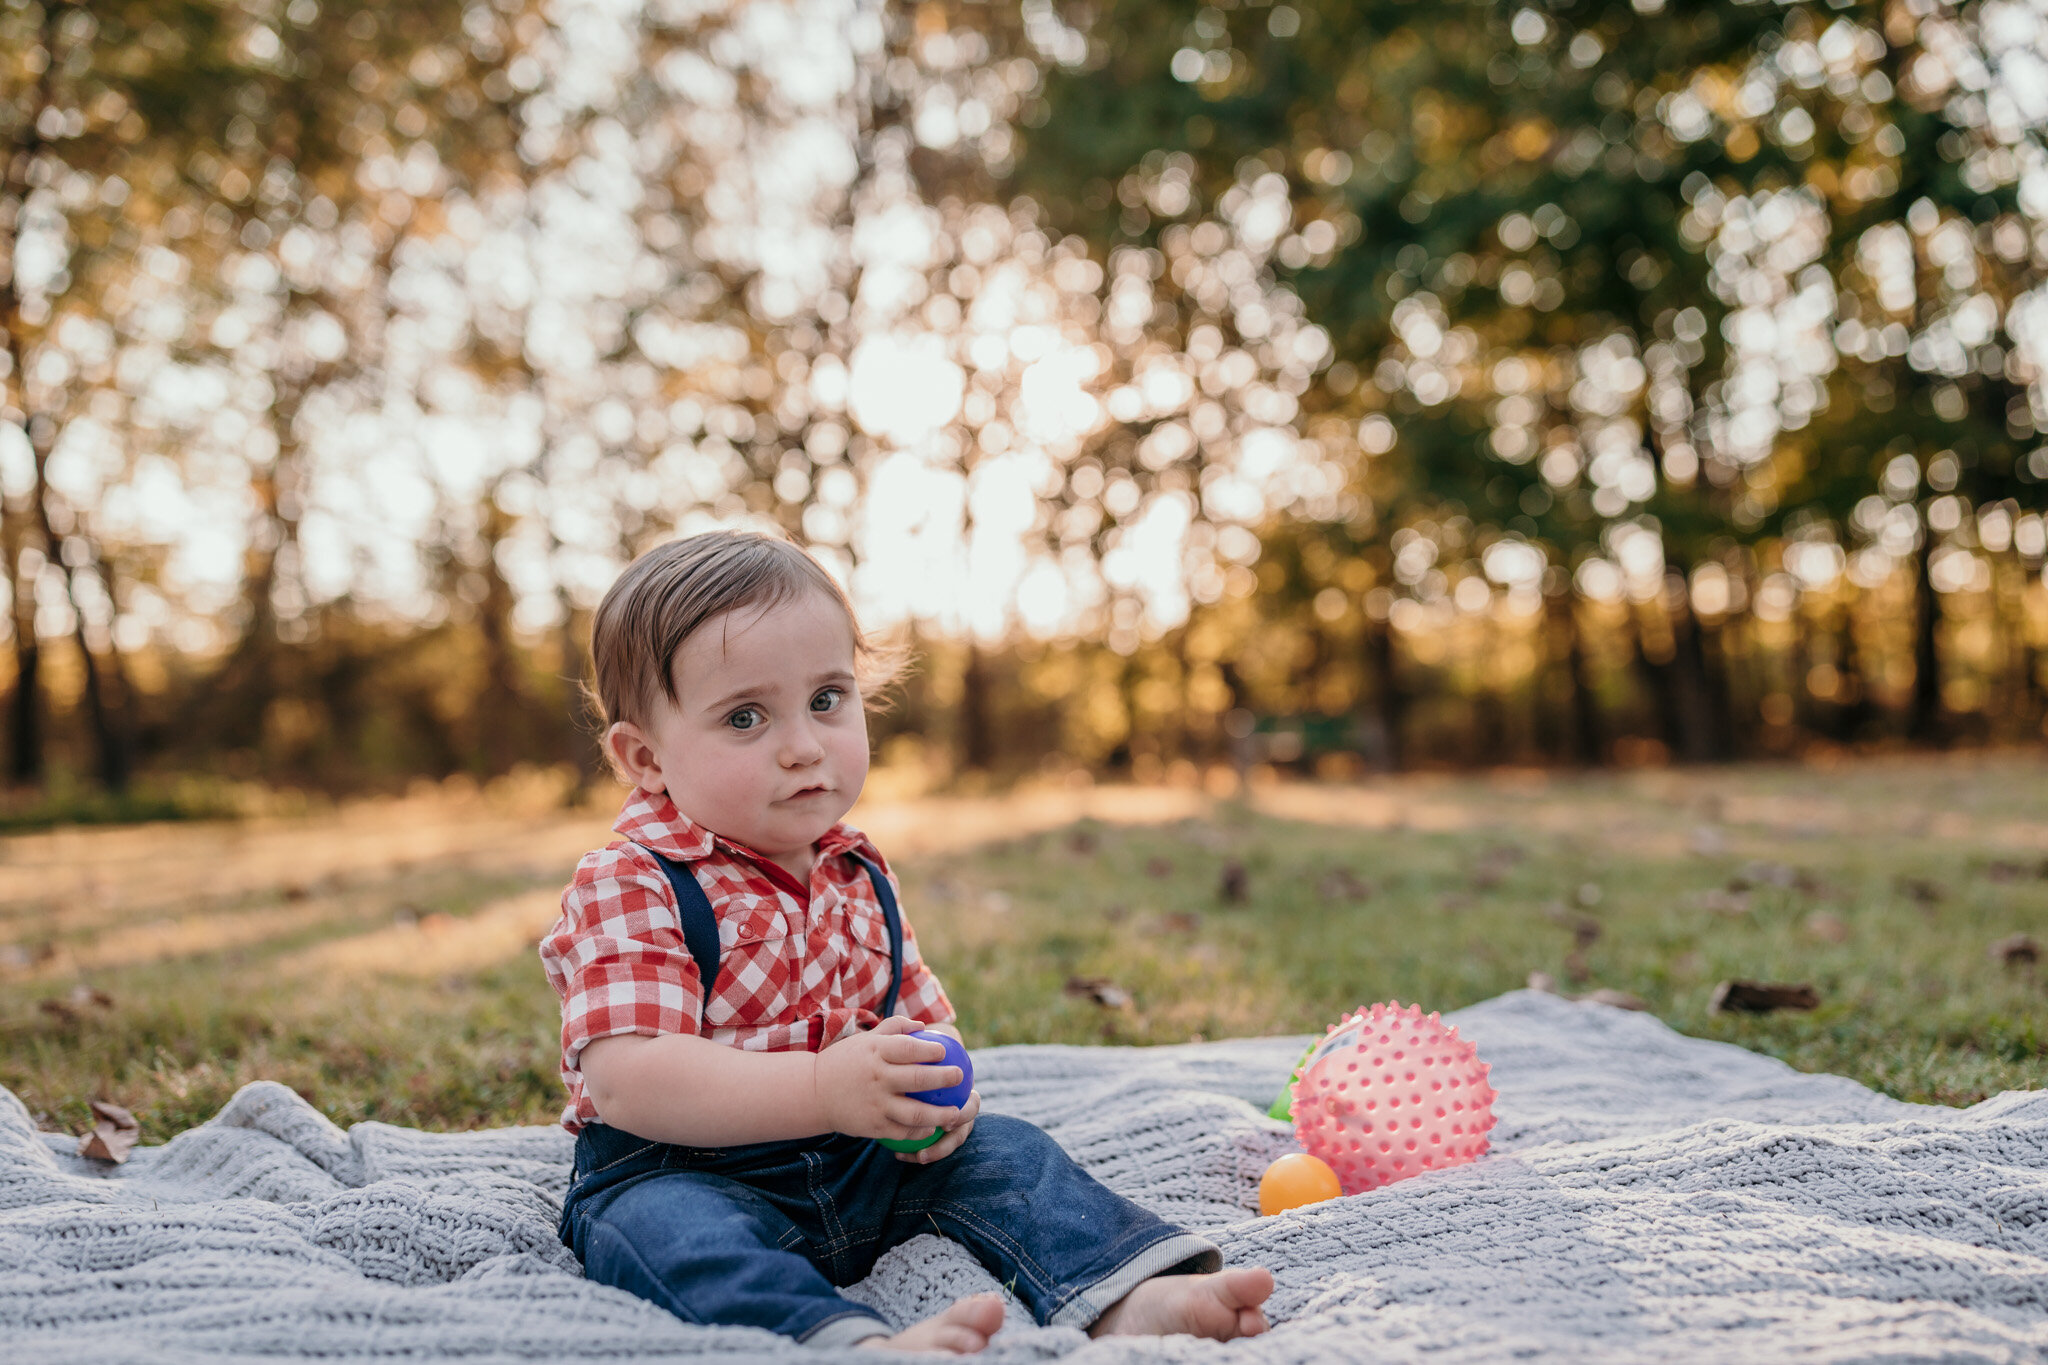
{"x": 651, "y": 820}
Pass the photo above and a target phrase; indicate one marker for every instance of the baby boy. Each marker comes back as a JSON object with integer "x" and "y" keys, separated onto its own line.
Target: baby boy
{"x": 737, "y": 988}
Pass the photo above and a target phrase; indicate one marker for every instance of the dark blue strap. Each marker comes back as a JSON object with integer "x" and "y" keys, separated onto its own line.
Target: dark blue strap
{"x": 700, "y": 926}
{"x": 894, "y": 920}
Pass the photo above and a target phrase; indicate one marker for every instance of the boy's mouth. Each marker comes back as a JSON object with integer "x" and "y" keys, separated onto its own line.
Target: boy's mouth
{"x": 818, "y": 790}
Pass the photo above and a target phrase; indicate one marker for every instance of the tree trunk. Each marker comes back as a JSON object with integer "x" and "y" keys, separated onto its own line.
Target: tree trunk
{"x": 502, "y": 708}
{"x": 103, "y": 711}
{"x": 977, "y": 722}
{"x": 1852, "y": 689}
{"x": 1926, "y": 717}
{"x": 1387, "y": 717}
{"x": 25, "y": 760}
{"x": 1659, "y": 679}
{"x": 1702, "y": 697}
{"x": 25, "y": 729}
{"x": 1588, "y": 743}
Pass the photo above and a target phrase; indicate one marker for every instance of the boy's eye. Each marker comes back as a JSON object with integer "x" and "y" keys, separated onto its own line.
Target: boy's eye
{"x": 827, "y": 700}
{"x": 746, "y": 718}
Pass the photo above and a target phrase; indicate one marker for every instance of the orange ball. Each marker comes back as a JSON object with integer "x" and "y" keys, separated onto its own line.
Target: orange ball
{"x": 1294, "y": 1180}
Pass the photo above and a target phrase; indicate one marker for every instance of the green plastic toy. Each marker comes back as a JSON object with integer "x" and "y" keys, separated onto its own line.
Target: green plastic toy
{"x": 1282, "y": 1107}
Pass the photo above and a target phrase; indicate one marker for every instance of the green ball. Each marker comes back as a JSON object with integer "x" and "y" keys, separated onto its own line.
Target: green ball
{"x": 912, "y": 1144}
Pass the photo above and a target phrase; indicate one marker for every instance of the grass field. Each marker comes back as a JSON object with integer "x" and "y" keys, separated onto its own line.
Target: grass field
{"x": 379, "y": 957}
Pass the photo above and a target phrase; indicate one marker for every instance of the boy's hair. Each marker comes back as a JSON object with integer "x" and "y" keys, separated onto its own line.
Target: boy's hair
{"x": 667, "y": 593}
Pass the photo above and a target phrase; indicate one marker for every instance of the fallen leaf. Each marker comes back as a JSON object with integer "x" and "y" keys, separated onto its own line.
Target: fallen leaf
{"x": 1234, "y": 886}
{"x": 82, "y": 996}
{"x": 1180, "y": 922}
{"x": 2016, "y": 950}
{"x": 1492, "y": 867}
{"x": 2003, "y": 870}
{"x": 1922, "y": 890}
{"x": 1733, "y": 904}
{"x": 113, "y": 1134}
{"x": 1101, "y": 990}
{"x": 1826, "y": 927}
{"x": 295, "y": 891}
{"x": 1158, "y": 867}
{"x": 1810, "y": 884}
{"x": 1082, "y": 841}
{"x": 1584, "y": 929}
{"x": 1342, "y": 886}
{"x": 1760, "y": 997}
{"x": 1575, "y": 969}
{"x": 1752, "y": 875}
{"x": 1605, "y": 995}
{"x": 1116, "y": 914}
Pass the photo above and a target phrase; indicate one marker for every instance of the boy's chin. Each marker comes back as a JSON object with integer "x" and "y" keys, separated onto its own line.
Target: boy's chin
{"x": 799, "y": 829}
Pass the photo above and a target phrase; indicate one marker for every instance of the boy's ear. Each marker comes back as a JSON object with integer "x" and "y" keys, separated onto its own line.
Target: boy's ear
{"x": 633, "y": 755}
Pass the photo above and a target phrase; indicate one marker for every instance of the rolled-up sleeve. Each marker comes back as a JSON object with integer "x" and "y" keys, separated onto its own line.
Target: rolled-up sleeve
{"x": 616, "y": 956}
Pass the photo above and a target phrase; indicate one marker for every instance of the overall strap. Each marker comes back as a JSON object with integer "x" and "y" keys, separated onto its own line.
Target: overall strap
{"x": 700, "y": 925}
{"x": 894, "y": 920}
{"x": 700, "y": 922}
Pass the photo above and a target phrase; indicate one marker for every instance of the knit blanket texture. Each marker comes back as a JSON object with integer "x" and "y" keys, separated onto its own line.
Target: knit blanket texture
{"x": 1649, "y": 1197}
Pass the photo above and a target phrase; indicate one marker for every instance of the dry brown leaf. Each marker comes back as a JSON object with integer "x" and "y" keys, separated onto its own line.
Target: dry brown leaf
{"x": 1234, "y": 886}
{"x": 2016, "y": 950}
{"x": 1605, "y": 995}
{"x": 1827, "y": 927}
{"x": 1733, "y": 904}
{"x": 1341, "y": 885}
{"x": 1762, "y": 997}
{"x": 1922, "y": 890}
{"x": 1621, "y": 1000}
{"x": 1101, "y": 990}
{"x": 113, "y": 1136}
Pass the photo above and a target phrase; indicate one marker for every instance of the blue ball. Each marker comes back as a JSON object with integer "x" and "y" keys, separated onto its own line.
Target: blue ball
{"x": 952, "y": 1096}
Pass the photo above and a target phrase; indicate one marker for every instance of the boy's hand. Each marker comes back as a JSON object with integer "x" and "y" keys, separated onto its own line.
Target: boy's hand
{"x": 864, "y": 1085}
{"x": 956, "y": 1133}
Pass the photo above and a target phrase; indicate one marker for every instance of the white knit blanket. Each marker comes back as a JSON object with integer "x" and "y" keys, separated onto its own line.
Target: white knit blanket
{"x": 1651, "y": 1197}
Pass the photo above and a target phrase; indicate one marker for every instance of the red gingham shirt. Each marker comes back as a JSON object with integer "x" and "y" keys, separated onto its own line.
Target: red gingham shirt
{"x": 800, "y": 967}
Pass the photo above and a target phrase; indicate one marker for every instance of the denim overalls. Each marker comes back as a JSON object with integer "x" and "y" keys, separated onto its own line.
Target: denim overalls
{"x": 764, "y": 1235}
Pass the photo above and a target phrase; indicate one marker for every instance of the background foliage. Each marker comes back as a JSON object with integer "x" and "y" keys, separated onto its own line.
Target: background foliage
{"x": 1202, "y": 386}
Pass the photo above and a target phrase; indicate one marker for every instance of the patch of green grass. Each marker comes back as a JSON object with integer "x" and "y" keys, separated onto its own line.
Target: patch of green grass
{"x": 1885, "y": 893}
{"x": 68, "y": 802}
{"x": 1913, "y": 1002}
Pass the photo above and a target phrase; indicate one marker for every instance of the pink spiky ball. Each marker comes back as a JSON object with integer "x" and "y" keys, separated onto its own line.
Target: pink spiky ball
{"x": 1390, "y": 1093}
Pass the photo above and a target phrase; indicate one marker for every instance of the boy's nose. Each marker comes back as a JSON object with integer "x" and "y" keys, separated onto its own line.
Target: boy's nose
{"x": 802, "y": 750}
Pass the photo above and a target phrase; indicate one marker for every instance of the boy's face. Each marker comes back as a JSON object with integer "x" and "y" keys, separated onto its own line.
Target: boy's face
{"x": 767, "y": 743}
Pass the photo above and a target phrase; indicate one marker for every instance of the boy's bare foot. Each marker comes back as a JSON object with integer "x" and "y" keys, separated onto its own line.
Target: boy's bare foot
{"x": 1219, "y": 1306}
{"x": 962, "y": 1329}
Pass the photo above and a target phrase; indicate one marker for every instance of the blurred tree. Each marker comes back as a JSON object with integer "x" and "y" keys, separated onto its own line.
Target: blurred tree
{"x": 1693, "y": 271}
{"x": 83, "y": 97}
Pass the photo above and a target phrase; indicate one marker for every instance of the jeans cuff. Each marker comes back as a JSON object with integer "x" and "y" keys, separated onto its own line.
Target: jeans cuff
{"x": 1162, "y": 1256}
{"x": 846, "y": 1329}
